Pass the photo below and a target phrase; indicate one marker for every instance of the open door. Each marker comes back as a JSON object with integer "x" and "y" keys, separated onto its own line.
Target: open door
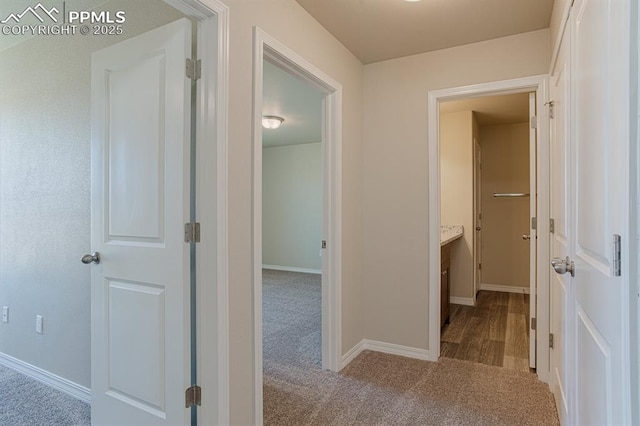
{"x": 477, "y": 214}
{"x": 140, "y": 201}
{"x": 533, "y": 236}
{"x": 560, "y": 285}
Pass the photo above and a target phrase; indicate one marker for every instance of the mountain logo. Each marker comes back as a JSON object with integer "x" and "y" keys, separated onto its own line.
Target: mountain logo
{"x": 38, "y": 11}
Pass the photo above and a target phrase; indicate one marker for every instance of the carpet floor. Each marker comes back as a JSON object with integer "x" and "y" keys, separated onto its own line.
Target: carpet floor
{"x": 376, "y": 388}
{"x": 28, "y": 402}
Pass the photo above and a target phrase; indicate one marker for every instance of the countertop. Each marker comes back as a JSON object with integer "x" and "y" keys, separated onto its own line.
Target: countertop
{"x": 449, "y": 233}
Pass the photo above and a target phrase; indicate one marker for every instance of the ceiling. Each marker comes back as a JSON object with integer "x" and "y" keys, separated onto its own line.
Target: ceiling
{"x": 500, "y": 109}
{"x": 377, "y": 30}
{"x": 295, "y": 100}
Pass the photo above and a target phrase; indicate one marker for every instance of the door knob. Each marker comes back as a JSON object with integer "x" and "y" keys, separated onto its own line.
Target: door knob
{"x": 478, "y": 228}
{"x": 91, "y": 258}
{"x": 526, "y": 237}
{"x": 562, "y": 266}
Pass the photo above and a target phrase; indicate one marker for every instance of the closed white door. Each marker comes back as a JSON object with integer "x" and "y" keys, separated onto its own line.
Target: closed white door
{"x": 599, "y": 205}
{"x": 140, "y": 203}
{"x": 560, "y": 285}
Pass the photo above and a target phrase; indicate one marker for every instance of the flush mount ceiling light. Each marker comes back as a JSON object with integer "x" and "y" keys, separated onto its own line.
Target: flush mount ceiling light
{"x": 412, "y": 1}
{"x": 271, "y": 121}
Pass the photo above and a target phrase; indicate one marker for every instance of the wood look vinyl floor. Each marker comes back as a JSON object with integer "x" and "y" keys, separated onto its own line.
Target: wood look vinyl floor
{"x": 494, "y": 332}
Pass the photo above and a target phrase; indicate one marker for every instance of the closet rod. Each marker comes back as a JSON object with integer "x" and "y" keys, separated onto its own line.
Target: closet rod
{"x": 504, "y": 195}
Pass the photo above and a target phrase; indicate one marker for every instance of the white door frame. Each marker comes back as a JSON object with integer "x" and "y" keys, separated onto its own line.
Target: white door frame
{"x": 265, "y": 46}
{"x": 211, "y": 207}
{"x": 536, "y": 84}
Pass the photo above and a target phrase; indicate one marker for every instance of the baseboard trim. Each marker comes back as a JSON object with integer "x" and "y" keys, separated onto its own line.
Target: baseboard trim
{"x": 467, "y": 301}
{"x": 292, "y": 269}
{"x": 64, "y": 385}
{"x": 388, "y": 348}
{"x": 504, "y": 288}
{"x": 351, "y": 354}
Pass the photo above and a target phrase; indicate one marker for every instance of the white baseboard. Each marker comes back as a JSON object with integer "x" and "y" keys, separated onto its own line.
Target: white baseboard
{"x": 504, "y": 288}
{"x": 388, "y": 348}
{"x": 67, "y": 386}
{"x": 468, "y": 301}
{"x": 292, "y": 269}
{"x": 351, "y": 354}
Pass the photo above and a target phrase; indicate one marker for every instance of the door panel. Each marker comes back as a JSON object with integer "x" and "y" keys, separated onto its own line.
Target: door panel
{"x": 559, "y": 212}
{"x": 533, "y": 233}
{"x": 599, "y": 206}
{"x": 140, "y": 202}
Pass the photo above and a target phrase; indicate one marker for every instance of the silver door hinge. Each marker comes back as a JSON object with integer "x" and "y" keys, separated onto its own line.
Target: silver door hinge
{"x": 193, "y": 396}
{"x": 194, "y": 69}
{"x": 617, "y": 254}
{"x": 534, "y": 223}
{"x": 324, "y": 244}
{"x": 534, "y": 122}
{"x": 192, "y": 232}
{"x": 552, "y": 226}
{"x": 551, "y": 340}
{"x": 550, "y": 103}
{"x": 534, "y": 323}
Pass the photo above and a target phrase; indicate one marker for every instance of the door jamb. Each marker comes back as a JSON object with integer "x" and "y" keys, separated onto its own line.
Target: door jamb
{"x": 266, "y": 46}
{"x": 211, "y": 207}
{"x": 536, "y": 84}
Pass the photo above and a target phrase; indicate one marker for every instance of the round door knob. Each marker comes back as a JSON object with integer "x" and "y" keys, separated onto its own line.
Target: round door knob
{"x": 562, "y": 266}
{"x": 91, "y": 258}
{"x": 478, "y": 228}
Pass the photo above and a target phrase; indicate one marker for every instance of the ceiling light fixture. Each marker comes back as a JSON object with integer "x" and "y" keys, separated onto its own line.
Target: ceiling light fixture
{"x": 412, "y": 1}
{"x": 271, "y": 121}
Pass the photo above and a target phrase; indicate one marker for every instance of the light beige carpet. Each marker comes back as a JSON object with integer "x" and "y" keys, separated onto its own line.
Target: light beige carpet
{"x": 381, "y": 389}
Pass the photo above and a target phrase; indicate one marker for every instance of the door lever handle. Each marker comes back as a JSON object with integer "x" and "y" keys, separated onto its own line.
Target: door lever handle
{"x": 91, "y": 258}
{"x": 526, "y": 237}
{"x": 562, "y": 266}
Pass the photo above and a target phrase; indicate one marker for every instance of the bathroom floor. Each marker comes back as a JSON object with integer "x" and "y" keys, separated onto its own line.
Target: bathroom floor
{"x": 494, "y": 332}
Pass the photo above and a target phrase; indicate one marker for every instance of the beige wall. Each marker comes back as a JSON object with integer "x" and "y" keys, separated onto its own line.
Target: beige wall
{"x": 396, "y": 209}
{"x": 287, "y": 21}
{"x": 292, "y": 206}
{"x": 456, "y": 194}
{"x": 505, "y": 168}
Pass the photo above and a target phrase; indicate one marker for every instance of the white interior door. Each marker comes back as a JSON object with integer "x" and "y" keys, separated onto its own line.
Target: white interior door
{"x": 533, "y": 236}
{"x": 140, "y": 203}
{"x": 599, "y": 209}
{"x": 560, "y": 285}
{"x": 477, "y": 202}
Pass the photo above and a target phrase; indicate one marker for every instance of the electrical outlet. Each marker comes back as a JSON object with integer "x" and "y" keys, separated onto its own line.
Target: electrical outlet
{"x": 5, "y": 314}
{"x": 39, "y": 320}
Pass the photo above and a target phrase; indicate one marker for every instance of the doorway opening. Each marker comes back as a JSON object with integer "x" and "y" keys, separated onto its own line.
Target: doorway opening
{"x": 277, "y": 244}
{"x": 539, "y": 150}
{"x": 488, "y": 174}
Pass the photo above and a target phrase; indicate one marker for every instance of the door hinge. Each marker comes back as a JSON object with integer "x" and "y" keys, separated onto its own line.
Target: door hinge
{"x": 194, "y": 69}
{"x": 551, "y": 340}
{"x": 534, "y": 323}
{"x": 617, "y": 254}
{"x": 550, "y": 103}
{"x": 480, "y": 266}
{"x": 192, "y": 396}
{"x": 192, "y": 232}
{"x": 552, "y": 226}
{"x": 534, "y": 122}
{"x": 534, "y": 223}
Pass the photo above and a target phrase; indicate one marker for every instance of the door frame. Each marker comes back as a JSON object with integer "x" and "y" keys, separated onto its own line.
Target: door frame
{"x": 537, "y": 84}
{"x": 212, "y": 351}
{"x": 267, "y": 47}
